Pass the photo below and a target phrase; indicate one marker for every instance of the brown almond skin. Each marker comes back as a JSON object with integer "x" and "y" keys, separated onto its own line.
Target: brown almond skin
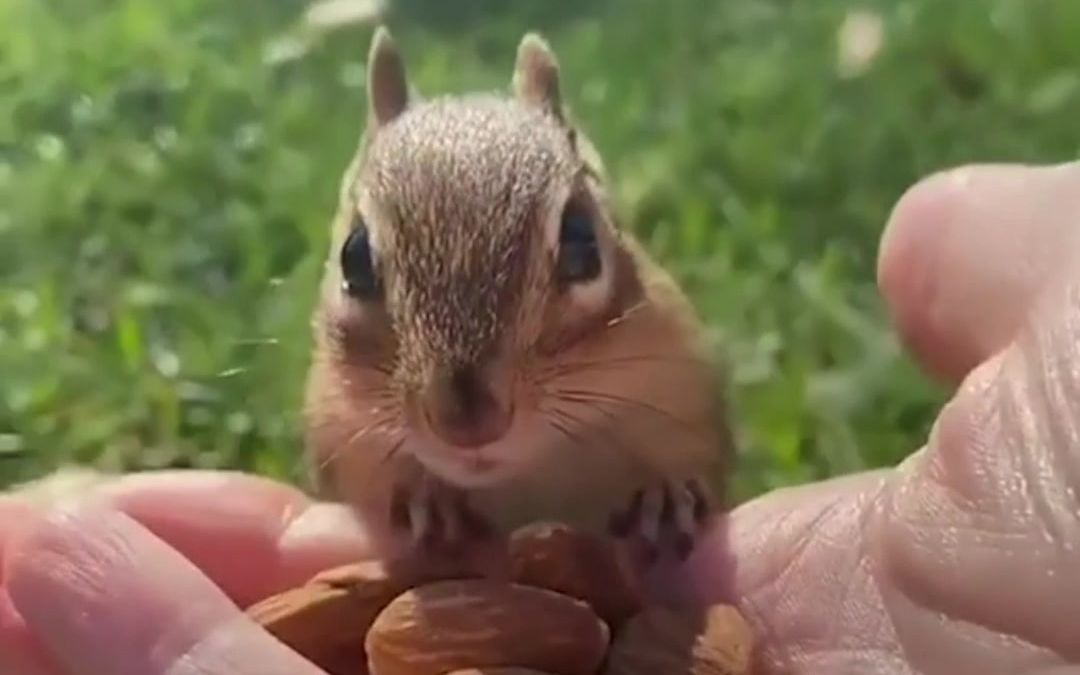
{"x": 324, "y": 625}
{"x": 497, "y": 671}
{"x": 583, "y": 565}
{"x": 326, "y": 619}
{"x": 450, "y": 625}
{"x": 659, "y": 641}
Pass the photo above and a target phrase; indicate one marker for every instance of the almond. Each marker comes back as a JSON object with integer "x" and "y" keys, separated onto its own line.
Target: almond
{"x": 450, "y": 625}
{"x": 497, "y": 671}
{"x": 322, "y": 624}
{"x": 326, "y": 619}
{"x": 659, "y": 641}
{"x": 582, "y": 565}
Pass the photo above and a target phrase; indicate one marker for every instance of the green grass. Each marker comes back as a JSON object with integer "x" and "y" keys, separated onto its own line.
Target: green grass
{"x": 168, "y": 169}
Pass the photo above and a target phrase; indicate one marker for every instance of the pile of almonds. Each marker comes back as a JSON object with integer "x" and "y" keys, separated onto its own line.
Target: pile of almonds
{"x": 565, "y": 603}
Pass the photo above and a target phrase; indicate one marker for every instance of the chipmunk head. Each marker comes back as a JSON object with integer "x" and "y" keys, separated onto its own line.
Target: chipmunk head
{"x": 473, "y": 249}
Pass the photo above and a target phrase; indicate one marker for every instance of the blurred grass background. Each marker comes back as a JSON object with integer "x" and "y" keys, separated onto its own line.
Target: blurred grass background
{"x": 168, "y": 169}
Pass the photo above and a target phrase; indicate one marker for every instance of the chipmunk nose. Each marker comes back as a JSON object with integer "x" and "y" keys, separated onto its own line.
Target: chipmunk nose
{"x": 462, "y": 409}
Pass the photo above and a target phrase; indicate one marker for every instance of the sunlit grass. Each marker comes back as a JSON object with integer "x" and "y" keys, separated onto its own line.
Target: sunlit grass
{"x": 167, "y": 171}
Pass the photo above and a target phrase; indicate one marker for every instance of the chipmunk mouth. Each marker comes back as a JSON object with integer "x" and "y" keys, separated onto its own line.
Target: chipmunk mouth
{"x": 471, "y": 468}
{"x": 474, "y": 430}
{"x": 478, "y": 466}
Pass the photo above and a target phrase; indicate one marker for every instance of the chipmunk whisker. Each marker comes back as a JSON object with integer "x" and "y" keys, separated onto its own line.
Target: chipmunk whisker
{"x": 605, "y": 401}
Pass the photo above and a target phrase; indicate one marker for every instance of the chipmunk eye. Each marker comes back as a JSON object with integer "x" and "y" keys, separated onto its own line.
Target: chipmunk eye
{"x": 357, "y": 265}
{"x": 579, "y": 254}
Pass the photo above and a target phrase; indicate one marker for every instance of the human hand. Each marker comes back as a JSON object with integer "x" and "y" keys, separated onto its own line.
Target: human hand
{"x": 95, "y": 589}
{"x": 966, "y": 557}
{"x": 963, "y": 559}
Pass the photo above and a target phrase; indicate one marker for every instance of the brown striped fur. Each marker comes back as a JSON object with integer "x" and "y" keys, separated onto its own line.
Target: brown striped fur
{"x": 609, "y": 393}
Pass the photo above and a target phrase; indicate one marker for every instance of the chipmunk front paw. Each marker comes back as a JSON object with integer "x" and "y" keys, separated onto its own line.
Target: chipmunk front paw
{"x": 436, "y": 515}
{"x": 667, "y": 517}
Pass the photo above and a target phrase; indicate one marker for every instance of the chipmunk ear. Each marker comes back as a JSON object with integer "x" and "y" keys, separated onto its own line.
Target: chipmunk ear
{"x": 536, "y": 75}
{"x": 387, "y": 83}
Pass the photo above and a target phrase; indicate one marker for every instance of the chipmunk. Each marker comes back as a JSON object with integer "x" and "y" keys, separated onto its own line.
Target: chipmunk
{"x": 491, "y": 347}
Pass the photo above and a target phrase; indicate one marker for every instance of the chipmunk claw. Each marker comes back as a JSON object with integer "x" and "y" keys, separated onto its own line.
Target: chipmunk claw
{"x": 665, "y": 518}
{"x": 436, "y": 516}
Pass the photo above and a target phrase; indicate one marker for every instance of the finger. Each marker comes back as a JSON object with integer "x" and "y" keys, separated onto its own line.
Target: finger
{"x": 108, "y": 597}
{"x": 20, "y": 652}
{"x": 997, "y": 495}
{"x": 965, "y": 252}
{"x": 845, "y": 575}
{"x": 252, "y": 536}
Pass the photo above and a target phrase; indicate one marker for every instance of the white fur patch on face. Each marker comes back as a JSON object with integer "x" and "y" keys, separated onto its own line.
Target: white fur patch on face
{"x": 368, "y": 210}
{"x": 512, "y": 455}
{"x": 590, "y": 297}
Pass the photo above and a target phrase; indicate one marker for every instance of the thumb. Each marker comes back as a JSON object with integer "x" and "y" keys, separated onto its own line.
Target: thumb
{"x": 966, "y": 253}
{"x": 105, "y": 596}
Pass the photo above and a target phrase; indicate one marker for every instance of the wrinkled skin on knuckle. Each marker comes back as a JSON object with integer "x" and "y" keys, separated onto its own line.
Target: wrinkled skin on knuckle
{"x": 981, "y": 530}
{"x": 838, "y": 561}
